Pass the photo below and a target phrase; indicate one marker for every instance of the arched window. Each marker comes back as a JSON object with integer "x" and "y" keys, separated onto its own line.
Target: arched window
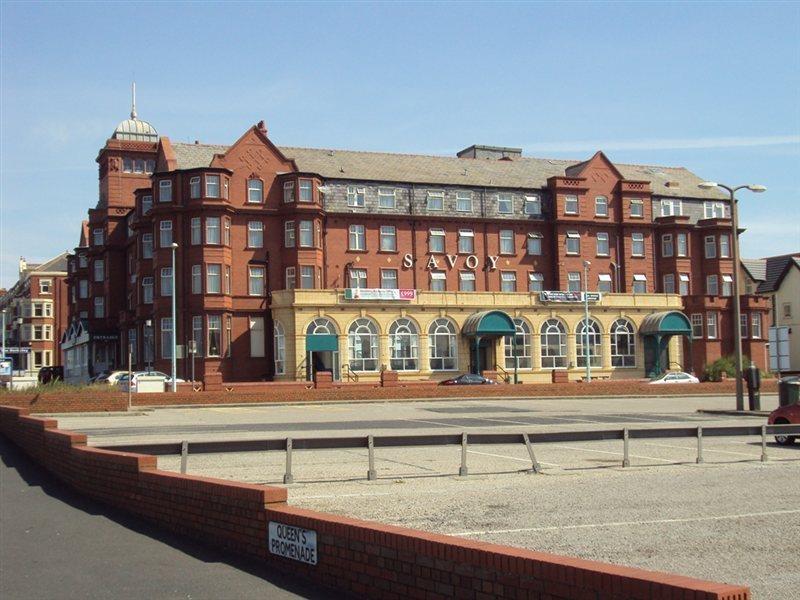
{"x": 623, "y": 344}
{"x": 522, "y": 358}
{"x": 321, "y": 326}
{"x": 279, "y": 345}
{"x": 442, "y": 343}
{"x": 554, "y": 344}
{"x": 362, "y": 345}
{"x": 595, "y": 343}
{"x": 403, "y": 345}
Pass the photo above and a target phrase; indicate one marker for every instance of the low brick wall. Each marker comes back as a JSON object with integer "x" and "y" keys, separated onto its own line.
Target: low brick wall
{"x": 88, "y": 400}
{"x": 361, "y": 559}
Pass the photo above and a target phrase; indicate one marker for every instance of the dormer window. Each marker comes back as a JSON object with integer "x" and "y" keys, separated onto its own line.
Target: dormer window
{"x": 505, "y": 203}
{"x": 194, "y": 187}
{"x": 533, "y": 205}
{"x": 147, "y": 203}
{"x": 355, "y": 196}
{"x": 165, "y": 190}
{"x": 306, "y": 191}
{"x": 435, "y": 201}
{"x": 212, "y": 186}
{"x": 288, "y": 191}
{"x": 255, "y": 191}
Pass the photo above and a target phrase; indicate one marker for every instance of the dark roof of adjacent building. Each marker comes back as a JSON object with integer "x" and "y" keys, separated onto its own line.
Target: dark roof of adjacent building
{"x": 521, "y": 172}
{"x": 777, "y": 267}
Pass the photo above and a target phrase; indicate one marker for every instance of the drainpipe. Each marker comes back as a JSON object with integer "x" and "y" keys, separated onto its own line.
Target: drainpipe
{"x": 411, "y": 194}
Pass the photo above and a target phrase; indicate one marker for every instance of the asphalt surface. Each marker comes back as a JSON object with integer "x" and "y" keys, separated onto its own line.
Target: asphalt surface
{"x": 57, "y": 545}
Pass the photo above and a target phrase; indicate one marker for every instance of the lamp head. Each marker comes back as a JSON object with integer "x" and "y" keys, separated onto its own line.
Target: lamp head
{"x": 174, "y": 245}
{"x": 757, "y": 188}
{"x": 587, "y": 264}
{"x": 707, "y": 185}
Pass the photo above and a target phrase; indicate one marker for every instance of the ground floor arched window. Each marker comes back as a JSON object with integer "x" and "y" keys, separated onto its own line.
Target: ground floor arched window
{"x": 362, "y": 345}
{"x": 403, "y": 345}
{"x": 588, "y": 332}
{"x": 521, "y": 358}
{"x": 443, "y": 347}
{"x": 554, "y": 344}
{"x": 623, "y": 344}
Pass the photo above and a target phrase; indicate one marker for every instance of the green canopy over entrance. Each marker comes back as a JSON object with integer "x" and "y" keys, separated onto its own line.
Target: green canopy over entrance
{"x": 492, "y": 323}
{"x": 321, "y": 343}
{"x": 657, "y": 329}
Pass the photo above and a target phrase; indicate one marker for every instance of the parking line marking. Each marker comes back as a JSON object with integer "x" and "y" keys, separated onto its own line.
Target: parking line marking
{"x": 629, "y": 523}
{"x": 525, "y": 460}
{"x": 705, "y": 449}
{"x": 609, "y": 452}
{"x": 439, "y": 423}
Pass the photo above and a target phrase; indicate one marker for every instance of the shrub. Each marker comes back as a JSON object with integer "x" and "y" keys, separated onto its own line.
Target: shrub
{"x": 724, "y": 364}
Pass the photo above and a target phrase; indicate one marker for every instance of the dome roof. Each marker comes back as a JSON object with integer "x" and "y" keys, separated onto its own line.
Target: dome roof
{"x": 136, "y": 130}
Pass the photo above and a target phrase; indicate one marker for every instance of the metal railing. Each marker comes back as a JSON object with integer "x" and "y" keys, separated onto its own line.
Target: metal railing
{"x": 370, "y": 442}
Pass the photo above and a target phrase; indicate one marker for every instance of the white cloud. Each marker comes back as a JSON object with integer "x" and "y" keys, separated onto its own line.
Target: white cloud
{"x": 664, "y": 143}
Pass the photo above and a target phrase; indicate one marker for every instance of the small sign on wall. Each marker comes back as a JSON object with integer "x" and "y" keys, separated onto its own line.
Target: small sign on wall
{"x": 292, "y": 542}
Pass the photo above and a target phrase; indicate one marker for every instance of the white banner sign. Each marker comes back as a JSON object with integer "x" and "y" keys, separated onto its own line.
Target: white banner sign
{"x": 378, "y": 294}
{"x": 292, "y": 542}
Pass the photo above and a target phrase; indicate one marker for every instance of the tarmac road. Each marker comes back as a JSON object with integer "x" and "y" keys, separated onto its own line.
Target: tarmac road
{"x": 57, "y": 545}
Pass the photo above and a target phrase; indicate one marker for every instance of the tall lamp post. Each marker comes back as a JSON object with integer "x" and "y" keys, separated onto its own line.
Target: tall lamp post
{"x": 174, "y": 324}
{"x": 737, "y": 307}
{"x": 586, "y": 265}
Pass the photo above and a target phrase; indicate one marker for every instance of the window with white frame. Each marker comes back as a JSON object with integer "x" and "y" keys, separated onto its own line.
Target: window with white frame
{"x": 307, "y": 277}
{"x": 724, "y": 246}
{"x": 279, "y": 347}
{"x": 214, "y": 346}
{"x": 197, "y": 334}
{"x": 290, "y": 278}
{"x": 466, "y": 281}
{"x": 147, "y": 245}
{"x": 255, "y": 280}
{"x": 256, "y": 328}
{"x": 667, "y": 245}
{"x": 727, "y": 285}
{"x": 166, "y": 281}
{"x": 166, "y": 337}
{"x": 590, "y": 330}
{"x": 517, "y": 350}
{"x": 147, "y": 203}
{"x": 288, "y": 234}
{"x": 99, "y": 269}
{"x": 683, "y": 246}
{"x": 97, "y": 237}
{"x": 744, "y": 322}
{"x": 553, "y": 337}
{"x": 194, "y": 187}
{"x": 213, "y": 279}
{"x": 535, "y": 282}
{"x": 506, "y": 241}
{"x": 639, "y": 283}
{"x": 669, "y": 283}
{"x": 464, "y": 201}
{"x": 637, "y": 244}
{"x": 466, "y": 241}
{"x": 710, "y": 246}
{"x": 356, "y": 196}
{"x": 389, "y": 279}
{"x": 306, "y": 190}
{"x": 386, "y": 198}
{"x": 362, "y": 345}
{"x": 99, "y": 307}
{"x": 306, "y": 234}
{"x": 534, "y": 244}
{"x": 403, "y": 345}
{"x": 212, "y": 230}
{"x": 755, "y": 320}
{"x": 574, "y": 281}
{"x": 388, "y": 235}
{"x": 508, "y": 281}
{"x": 683, "y": 284}
{"x": 435, "y": 200}
{"x": 436, "y": 240}
{"x": 46, "y": 286}
{"x": 438, "y": 281}
{"x": 357, "y": 238}
{"x": 533, "y": 206}
{"x": 505, "y": 203}
{"x": 83, "y": 289}
{"x": 165, "y": 190}
{"x": 442, "y": 345}
{"x": 288, "y": 191}
{"x": 711, "y": 325}
{"x": 712, "y": 285}
{"x": 255, "y": 191}
{"x": 83, "y": 260}
{"x": 697, "y": 325}
{"x": 604, "y": 283}
{"x": 165, "y": 234}
{"x": 196, "y": 231}
{"x": 602, "y": 243}
{"x": 601, "y": 206}
{"x": 637, "y": 208}
{"x": 255, "y": 234}
{"x": 671, "y": 207}
{"x": 571, "y": 205}
{"x": 573, "y": 241}
{"x": 358, "y": 278}
{"x": 227, "y": 288}
{"x": 197, "y": 279}
{"x": 714, "y": 210}
{"x": 623, "y": 344}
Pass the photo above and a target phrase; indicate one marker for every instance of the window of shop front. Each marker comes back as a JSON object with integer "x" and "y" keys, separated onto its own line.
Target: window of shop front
{"x": 595, "y": 345}
{"x": 521, "y": 359}
{"x": 214, "y": 335}
{"x": 442, "y": 345}
{"x": 554, "y": 344}
{"x": 362, "y": 345}
{"x": 623, "y": 344}
{"x": 279, "y": 347}
{"x": 403, "y": 345}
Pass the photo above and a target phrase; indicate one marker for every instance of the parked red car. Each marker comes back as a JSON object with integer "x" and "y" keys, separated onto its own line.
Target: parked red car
{"x": 785, "y": 415}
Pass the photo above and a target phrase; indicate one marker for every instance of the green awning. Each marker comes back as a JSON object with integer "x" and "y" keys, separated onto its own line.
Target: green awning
{"x": 488, "y": 323}
{"x": 670, "y": 323}
{"x": 325, "y": 342}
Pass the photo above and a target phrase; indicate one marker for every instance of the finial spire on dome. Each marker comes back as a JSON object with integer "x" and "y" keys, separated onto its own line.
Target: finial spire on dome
{"x": 133, "y": 100}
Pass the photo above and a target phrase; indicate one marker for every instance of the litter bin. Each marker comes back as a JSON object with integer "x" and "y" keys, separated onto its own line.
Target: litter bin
{"x": 789, "y": 391}
{"x": 753, "y": 378}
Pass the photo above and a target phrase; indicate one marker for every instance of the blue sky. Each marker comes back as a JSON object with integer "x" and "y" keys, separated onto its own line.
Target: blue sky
{"x": 714, "y": 87}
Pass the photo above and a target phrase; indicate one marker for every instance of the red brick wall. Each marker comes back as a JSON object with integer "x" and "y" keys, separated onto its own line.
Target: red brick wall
{"x": 362, "y": 559}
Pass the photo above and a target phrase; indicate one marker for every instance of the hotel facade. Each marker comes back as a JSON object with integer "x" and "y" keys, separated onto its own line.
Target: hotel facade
{"x": 291, "y": 261}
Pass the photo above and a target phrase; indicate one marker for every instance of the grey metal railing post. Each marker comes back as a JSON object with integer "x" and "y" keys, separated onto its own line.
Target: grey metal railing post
{"x": 699, "y": 444}
{"x": 184, "y": 456}
{"x": 763, "y": 443}
{"x": 371, "y": 475}
{"x": 626, "y": 461}
{"x": 535, "y": 466}
{"x": 287, "y": 477}
{"x": 462, "y": 471}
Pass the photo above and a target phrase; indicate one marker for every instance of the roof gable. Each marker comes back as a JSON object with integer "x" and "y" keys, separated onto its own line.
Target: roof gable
{"x": 598, "y": 162}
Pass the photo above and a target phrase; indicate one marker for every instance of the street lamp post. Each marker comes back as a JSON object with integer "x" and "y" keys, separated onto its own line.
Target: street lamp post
{"x": 737, "y": 307}
{"x": 174, "y": 325}
{"x": 4, "y": 334}
{"x": 586, "y": 265}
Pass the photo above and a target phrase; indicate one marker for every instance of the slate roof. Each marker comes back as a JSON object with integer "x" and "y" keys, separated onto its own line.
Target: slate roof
{"x": 777, "y": 266}
{"x": 756, "y": 267}
{"x": 521, "y": 172}
{"x": 56, "y": 264}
